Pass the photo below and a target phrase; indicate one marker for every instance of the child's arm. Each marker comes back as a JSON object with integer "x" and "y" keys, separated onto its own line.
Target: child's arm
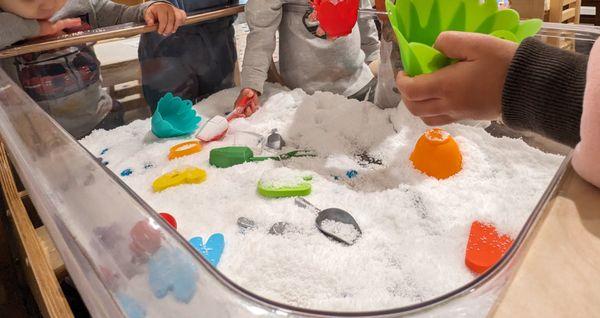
{"x": 263, "y": 17}
{"x": 543, "y": 91}
{"x": 369, "y": 38}
{"x": 533, "y": 86}
{"x": 14, "y": 29}
{"x": 162, "y": 13}
{"x": 585, "y": 157}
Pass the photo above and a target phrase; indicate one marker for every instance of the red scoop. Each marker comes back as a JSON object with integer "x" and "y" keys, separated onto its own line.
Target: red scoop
{"x": 336, "y": 17}
{"x": 238, "y": 111}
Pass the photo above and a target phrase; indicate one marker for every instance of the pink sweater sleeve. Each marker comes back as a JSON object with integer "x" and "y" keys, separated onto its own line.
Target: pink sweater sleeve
{"x": 586, "y": 159}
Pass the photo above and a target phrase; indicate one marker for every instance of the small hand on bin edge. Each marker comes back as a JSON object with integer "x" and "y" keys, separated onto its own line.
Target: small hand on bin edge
{"x": 168, "y": 17}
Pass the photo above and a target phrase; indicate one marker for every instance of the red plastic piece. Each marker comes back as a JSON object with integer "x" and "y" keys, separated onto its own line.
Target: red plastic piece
{"x": 144, "y": 238}
{"x": 244, "y": 101}
{"x": 170, "y": 219}
{"x": 337, "y": 17}
{"x": 238, "y": 111}
{"x": 485, "y": 247}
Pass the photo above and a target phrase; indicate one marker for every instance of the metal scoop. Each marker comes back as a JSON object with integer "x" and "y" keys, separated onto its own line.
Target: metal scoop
{"x": 332, "y": 215}
{"x": 275, "y": 141}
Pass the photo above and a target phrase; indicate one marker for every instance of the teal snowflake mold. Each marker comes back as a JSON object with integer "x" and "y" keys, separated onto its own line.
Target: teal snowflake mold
{"x": 174, "y": 117}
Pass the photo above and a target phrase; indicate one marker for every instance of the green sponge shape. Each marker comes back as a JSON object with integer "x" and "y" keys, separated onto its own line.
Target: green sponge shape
{"x": 417, "y": 24}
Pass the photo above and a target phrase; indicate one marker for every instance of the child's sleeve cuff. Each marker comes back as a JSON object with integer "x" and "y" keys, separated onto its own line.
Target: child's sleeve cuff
{"x": 543, "y": 91}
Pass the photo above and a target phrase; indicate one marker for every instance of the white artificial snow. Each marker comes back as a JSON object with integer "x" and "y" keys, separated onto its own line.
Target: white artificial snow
{"x": 344, "y": 231}
{"x": 415, "y": 228}
{"x": 283, "y": 178}
{"x": 437, "y": 135}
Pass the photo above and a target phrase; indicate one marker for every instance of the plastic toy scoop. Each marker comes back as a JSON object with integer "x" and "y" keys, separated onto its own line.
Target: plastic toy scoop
{"x": 226, "y": 157}
{"x": 184, "y": 149}
{"x": 485, "y": 247}
{"x": 299, "y": 190}
{"x": 437, "y": 155}
{"x": 217, "y": 126}
{"x": 178, "y": 177}
{"x": 275, "y": 141}
{"x": 334, "y": 223}
{"x": 278, "y": 184}
{"x": 214, "y": 129}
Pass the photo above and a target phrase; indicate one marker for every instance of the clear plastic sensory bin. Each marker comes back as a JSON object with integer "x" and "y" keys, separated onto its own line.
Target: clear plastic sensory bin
{"x": 315, "y": 206}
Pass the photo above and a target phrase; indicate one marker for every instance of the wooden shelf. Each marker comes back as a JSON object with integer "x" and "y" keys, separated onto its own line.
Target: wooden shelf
{"x": 39, "y": 273}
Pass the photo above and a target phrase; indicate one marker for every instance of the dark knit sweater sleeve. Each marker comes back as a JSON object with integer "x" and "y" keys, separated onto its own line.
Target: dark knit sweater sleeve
{"x": 544, "y": 91}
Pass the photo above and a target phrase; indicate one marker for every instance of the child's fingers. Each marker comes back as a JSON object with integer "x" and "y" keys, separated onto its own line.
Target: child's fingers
{"x": 428, "y": 108}
{"x": 180, "y": 17}
{"x": 65, "y": 24}
{"x": 249, "y": 93}
{"x": 162, "y": 21}
{"x": 170, "y": 28}
{"x": 248, "y": 101}
{"x": 149, "y": 18}
{"x": 320, "y": 32}
{"x": 418, "y": 88}
{"x": 70, "y": 23}
{"x": 463, "y": 45}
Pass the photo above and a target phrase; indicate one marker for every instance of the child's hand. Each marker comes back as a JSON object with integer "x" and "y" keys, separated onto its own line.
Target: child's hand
{"x": 50, "y": 28}
{"x": 168, "y": 17}
{"x": 469, "y": 89}
{"x": 252, "y": 101}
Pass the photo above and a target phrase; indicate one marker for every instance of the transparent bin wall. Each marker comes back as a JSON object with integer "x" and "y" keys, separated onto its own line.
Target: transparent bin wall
{"x": 117, "y": 249}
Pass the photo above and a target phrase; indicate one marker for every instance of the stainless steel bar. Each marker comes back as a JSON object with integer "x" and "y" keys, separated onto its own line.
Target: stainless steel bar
{"x": 117, "y": 31}
{"x": 371, "y": 12}
{"x": 362, "y": 11}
